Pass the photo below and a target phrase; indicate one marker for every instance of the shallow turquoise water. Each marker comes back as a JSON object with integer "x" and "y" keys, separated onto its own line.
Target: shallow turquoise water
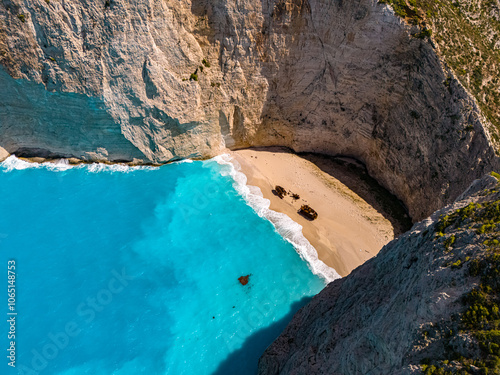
{"x": 136, "y": 271}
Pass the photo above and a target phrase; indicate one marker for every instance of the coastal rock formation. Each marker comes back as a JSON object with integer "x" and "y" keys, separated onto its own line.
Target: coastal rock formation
{"x": 155, "y": 81}
{"x": 3, "y": 154}
{"x": 428, "y": 300}
{"x": 244, "y": 279}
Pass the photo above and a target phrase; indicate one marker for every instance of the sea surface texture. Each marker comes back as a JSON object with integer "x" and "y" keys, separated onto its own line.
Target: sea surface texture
{"x": 134, "y": 270}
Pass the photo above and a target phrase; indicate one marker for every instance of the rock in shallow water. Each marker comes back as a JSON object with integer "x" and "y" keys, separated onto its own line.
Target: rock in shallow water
{"x": 244, "y": 279}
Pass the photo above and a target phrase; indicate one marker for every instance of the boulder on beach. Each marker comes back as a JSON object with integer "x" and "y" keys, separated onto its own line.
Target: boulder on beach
{"x": 280, "y": 191}
{"x": 308, "y": 212}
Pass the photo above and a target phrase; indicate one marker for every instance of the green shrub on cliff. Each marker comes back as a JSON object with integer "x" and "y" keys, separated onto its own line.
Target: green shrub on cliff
{"x": 402, "y": 9}
{"x": 425, "y": 33}
{"x": 449, "y": 242}
{"x": 496, "y": 175}
{"x": 478, "y": 320}
{"x": 484, "y": 217}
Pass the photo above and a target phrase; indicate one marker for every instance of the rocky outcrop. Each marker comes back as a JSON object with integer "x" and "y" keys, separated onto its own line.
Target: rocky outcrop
{"x": 244, "y": 279}
{"x": 156, "y": 81}
{"x": 413, "y": 306}
{"x": 3, "y": 154}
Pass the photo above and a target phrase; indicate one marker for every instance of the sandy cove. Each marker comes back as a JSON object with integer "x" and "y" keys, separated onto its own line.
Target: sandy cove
{"x": 348, "y": 230}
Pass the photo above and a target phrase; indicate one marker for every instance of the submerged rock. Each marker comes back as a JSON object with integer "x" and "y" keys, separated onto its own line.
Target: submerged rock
{"x": 244, "y": 279}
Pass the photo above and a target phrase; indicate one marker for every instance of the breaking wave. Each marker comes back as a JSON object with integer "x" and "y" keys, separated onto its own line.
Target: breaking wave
{"x": 13, "y": 163}
{"x": 284, "y": 225}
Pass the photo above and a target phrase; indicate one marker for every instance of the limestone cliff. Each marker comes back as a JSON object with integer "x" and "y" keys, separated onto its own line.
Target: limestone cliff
{"x": 429, "y": 301}
{"x": 159, "y": 80}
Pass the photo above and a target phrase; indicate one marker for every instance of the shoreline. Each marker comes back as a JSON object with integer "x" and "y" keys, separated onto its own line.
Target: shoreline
{"x": 348, "y": 230}
{"x": 287, "y": 228}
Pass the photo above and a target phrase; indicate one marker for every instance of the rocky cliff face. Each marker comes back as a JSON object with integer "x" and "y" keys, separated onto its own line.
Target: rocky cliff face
{"x": 428, "y": 301}
{"x": 466, "y": 33}
{"x": 155, "y": 81}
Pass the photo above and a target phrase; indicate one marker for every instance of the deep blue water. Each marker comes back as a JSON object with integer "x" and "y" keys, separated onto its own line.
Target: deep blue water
{"x": 135, "y": 271}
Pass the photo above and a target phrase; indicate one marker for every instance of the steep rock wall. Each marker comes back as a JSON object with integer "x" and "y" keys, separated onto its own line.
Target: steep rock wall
{"x": 400, "y": 309}
{"x": 333, "y": 77}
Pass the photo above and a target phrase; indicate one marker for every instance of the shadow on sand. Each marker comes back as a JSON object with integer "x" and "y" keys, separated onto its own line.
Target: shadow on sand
{"x": 353, "y": 174}
{"x": 244, "y": 361}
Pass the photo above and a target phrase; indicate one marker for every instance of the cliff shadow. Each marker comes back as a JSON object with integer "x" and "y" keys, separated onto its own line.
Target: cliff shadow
{"x": 244, "y": 361}
{"x": 353, "y": 174}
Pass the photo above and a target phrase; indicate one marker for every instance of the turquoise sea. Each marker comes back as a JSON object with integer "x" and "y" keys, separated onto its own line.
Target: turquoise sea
{"x": 134, "y": 270}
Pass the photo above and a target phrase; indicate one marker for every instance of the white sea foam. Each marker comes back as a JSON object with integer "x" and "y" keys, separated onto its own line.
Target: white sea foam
{"x": 121, "y": 168}
{"x": 284, "y": 225}
{"x": 189, "y": 161}
{"x": 13, "y": 163}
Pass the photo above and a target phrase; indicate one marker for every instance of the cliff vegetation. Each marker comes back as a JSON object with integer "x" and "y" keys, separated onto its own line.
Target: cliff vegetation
{"x": 476, "y": 325}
